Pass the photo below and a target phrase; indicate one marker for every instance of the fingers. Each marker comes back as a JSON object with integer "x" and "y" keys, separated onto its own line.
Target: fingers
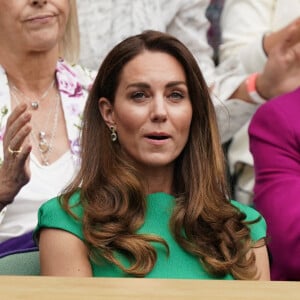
{"x": 15, "y": 171}
{"x": 16, "y": 113}
{"x": 14, "y": 152}
{"x": 289, "y": 59}
{"x": 282, "y": 38}
{"x": 15, "y": 159}
{"x": 293, "y": 54}
{"x": 21, "y": 158}
{"x": 18, "y": 141}
{"x": 18, "y": 128}
{"x": 22, "y": 153}
{"x": 291, "y": 36}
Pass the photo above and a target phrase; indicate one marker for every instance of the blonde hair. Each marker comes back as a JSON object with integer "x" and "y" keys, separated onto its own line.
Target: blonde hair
{"x": 70, "y": 43}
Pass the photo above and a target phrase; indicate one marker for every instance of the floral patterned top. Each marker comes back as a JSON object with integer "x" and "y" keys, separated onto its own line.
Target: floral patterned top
{"x": 46, "y": 181}
{"x": 73, "y": 84}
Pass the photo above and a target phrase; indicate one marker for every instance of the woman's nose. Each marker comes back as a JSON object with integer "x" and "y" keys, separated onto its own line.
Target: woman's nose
{"x": 38, "y": 2}
{"x": 158, "y": 109}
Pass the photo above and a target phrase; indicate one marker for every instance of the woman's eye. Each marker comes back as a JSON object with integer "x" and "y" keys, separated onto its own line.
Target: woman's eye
{"x": 176, "y": 95}
{"x": 138, "y": 95}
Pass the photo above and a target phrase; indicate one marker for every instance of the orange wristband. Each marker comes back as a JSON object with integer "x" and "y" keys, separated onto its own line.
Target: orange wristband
{"x": 251, "y": 89}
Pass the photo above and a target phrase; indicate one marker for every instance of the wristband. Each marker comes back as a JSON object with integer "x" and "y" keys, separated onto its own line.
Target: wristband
{"x": 251, "y": 89}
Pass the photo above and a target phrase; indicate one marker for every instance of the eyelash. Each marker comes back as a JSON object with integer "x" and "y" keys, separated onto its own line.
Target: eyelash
{"x": 177, "y": 94}
{"x": 138, "y": 95}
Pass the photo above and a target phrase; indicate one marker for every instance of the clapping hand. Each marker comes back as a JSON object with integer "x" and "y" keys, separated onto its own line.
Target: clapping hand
{"x": 282, "y": 70}
{"x": 15, "y": 172}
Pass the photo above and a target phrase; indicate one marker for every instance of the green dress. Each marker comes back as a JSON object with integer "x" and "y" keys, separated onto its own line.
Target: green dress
{"x": 179, "y": 264}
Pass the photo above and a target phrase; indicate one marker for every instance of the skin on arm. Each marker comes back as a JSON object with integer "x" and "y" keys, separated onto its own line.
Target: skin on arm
{"x": 262, "y": 261}
{"x": 63, "y": 254}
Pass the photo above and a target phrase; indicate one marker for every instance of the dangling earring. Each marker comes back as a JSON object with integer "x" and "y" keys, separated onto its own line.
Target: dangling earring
{"x": 113, "y": 134}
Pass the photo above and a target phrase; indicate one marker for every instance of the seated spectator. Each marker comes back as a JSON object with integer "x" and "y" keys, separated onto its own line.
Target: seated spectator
{"x": 151, "y": 198}
{"x": 42, "y": 96}
{"x": 254, "y": 33}
{"x": 275, "y": 145}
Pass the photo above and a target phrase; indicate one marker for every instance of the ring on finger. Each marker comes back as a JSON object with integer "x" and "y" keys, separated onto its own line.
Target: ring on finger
{"x": 14, "y": 152}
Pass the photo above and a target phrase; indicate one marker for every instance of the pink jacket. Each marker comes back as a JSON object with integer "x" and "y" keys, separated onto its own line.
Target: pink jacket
{"x": 275, "y": 144}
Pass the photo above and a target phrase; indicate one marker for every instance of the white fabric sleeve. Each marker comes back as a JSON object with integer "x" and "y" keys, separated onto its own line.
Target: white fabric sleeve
{"x": 253, "y": 56}
{"x": 243, "y": 25}
{"x": 2, "y": 214}
{"x": 232, "y": 114}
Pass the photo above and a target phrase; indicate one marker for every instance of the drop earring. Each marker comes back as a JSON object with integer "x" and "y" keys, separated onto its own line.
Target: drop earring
{"x": 113, "y": 134}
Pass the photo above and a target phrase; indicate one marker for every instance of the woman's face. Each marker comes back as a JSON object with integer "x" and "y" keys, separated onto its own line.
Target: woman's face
{"x": 32, "y": 25}
{"x": 152, "y": 112}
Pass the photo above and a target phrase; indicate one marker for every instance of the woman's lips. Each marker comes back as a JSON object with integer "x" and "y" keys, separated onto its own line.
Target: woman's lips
{"x": 157, "y": 138}
{"x": 40, "y": 19}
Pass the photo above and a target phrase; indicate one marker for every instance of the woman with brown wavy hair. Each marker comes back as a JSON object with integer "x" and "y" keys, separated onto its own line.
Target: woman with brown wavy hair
{"x": 151, "y": 198}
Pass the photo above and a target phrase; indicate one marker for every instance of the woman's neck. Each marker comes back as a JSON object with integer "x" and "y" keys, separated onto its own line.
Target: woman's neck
{"x": 30, "y": 72}
{"x": 159, "y": 180}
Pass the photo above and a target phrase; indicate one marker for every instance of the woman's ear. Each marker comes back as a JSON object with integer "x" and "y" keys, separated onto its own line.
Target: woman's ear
{"x": 106, "y": 110}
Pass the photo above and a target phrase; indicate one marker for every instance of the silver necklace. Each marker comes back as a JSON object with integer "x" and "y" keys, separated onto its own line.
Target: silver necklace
{"x": 44, "y": 144}
{"x": 34, "y": 103}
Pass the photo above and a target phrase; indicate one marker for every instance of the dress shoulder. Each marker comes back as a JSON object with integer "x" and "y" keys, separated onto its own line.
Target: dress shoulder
{"x": 259, "y": 227}
{"x": 52, "y": 215}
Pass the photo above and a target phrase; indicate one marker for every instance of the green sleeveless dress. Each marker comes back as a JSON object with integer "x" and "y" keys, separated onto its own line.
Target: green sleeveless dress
{"x": 179, "y": 264}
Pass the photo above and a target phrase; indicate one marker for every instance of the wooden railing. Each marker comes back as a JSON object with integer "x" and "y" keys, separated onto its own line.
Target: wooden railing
{"x": 62, "y": 288}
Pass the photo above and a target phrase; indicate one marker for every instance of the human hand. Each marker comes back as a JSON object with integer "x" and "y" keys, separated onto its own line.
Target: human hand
{"x": 291, "y": 31}
{"x": 14, "y": 171}
{"x": 281, "y": 73}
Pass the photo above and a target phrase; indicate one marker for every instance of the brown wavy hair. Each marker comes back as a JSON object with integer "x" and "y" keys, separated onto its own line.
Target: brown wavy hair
{"x": 112, "y": 193}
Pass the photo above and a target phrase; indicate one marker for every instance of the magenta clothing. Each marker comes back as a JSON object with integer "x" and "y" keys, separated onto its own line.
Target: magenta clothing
{"x": 275, "y": 144}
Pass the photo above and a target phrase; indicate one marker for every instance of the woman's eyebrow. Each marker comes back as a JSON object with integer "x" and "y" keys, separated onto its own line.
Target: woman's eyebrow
{"x": 175, "y": 83}
{"x": 139, "y": 85}
{"x": 147, "y": 86}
